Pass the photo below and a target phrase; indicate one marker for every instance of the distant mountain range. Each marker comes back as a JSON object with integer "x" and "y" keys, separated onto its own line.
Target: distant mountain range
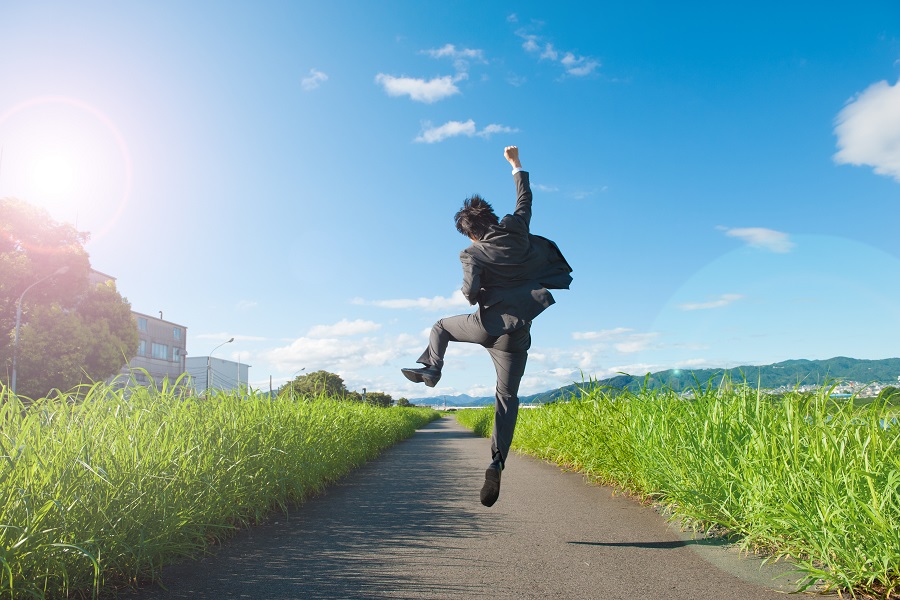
{"x": 789, "y": 373}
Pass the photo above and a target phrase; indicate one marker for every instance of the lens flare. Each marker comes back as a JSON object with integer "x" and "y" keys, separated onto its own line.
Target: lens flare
{"x": 69, "y": 157}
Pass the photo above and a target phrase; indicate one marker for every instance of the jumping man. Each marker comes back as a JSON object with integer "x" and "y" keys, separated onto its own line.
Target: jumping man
{"x": 506, "y": 271}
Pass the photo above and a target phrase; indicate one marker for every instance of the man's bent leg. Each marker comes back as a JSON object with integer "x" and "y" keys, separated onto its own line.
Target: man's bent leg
{"x": 461, "y": 328}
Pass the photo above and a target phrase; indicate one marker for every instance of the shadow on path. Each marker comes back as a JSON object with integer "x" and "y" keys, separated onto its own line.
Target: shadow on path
{"x": 364, "y": 537}
{"x": 663, "y": 545}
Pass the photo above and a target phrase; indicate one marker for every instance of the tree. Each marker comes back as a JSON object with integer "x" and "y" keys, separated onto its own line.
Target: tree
{"x": 315, "y": 384}
{"x": 33, "y": 246}
{"x": 379, "y": 399}
{"x": 70, "y": 332}
{"x": 403, "y": 402}
{"x": 889, "y": 394}
{"x": 108, "y": 317}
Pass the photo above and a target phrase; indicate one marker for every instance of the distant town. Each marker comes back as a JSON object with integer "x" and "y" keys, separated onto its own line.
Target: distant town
{"x": 846, "y": 388}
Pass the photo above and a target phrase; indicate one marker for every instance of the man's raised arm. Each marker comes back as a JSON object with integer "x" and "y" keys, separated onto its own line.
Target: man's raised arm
{"x": 523, "y": 187}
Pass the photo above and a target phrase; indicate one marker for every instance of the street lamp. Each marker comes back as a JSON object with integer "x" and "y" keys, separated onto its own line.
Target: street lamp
{"x": 209, "y": 364}
{"x": 291, "y": 382}
{"x": 59, "y": 271}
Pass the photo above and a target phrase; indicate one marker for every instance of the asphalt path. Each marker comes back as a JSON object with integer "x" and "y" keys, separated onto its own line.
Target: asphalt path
{"x": 409, "y": 524}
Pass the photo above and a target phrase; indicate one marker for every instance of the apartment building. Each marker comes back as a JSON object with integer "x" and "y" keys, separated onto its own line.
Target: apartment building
{"x": 161, "y": 352}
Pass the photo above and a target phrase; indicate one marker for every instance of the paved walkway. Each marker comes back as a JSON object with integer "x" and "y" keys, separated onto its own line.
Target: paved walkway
{"x": 409, "y": 525}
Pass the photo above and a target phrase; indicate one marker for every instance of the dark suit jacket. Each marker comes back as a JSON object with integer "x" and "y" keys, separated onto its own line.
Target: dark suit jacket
{"x": 508, "y": 271}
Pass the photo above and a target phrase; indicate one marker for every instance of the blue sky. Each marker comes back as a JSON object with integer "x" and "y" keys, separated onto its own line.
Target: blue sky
{"x": 724, "y": 179}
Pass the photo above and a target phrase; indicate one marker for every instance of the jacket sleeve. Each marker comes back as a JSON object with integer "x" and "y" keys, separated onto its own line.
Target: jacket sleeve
{"x": 523, "y": 196}
{"x": 471, "y": 287}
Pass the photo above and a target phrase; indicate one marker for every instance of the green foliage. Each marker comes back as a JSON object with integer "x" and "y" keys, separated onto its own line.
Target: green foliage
{"x": 890, "y": 395}
{"x": 379, "y": 399}
{"x": 323, "y": 383}
{"x": 403, "y": 402}
{"x": 315, "y": 384}
{"x": 33, "y": 246}
{"x": 110, "y": 488}
{"x": 799, "y": 474}
{"x": 70, "y": 332}
{"x": 113, "y": 330}
{"x": 59, "y": 349}
{"x": 479, "y": 420}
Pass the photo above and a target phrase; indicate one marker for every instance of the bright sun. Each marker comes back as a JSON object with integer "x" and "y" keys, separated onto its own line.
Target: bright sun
{"x": 68, "y": 157}
{"x": 53, "y": 174}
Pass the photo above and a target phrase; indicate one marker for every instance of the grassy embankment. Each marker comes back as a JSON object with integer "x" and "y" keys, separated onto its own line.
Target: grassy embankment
{"x": 105, "y": 490}
{"x": 798, "y": 475}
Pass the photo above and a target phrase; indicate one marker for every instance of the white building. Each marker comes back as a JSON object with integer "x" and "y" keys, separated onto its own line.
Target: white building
{"x": 216, "y": 373}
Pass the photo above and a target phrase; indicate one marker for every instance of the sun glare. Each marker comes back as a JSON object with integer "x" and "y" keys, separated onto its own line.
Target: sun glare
{"x": 68, "y": 157}
{"x": 53, "y": 175}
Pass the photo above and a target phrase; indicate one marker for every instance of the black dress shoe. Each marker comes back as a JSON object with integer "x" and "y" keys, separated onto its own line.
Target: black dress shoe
{"x": 429, "y": 375}
{"x": 490, "y": 491}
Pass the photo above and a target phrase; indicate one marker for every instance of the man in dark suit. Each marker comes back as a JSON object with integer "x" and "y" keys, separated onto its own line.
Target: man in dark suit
{"x": 506, "y": 271}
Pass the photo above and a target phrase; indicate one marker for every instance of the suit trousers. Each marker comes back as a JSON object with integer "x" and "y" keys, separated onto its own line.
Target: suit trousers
{"x": 509, "y": 353}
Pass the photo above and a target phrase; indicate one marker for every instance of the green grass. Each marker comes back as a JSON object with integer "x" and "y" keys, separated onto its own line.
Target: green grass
{"x": 105, "y": 490}
{"x": 800, "y": 475}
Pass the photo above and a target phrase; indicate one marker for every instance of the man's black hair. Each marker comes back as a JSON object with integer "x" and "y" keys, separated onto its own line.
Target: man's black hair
{"x": 475, "y": 217}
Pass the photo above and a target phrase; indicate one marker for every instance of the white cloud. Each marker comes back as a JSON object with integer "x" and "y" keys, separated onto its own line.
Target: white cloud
{"x": 564, "y": 373}
{"x": 436, "y": 303}
{"x": 530, "y": 44}
{"x": 221, "y": 337}
{"x": 759, "y": 237}
{"x": 636, "y": 369}
{"x": 461, "y": 56}
{"x": 578, "y": 66}
{"x": 512, "y": 18}
{"x": 314, "y": 80}
{"x": 420, "y": 90}
{"x": 723, "y": 300}
{"x": 432, "y": 135}
{"x": 549, "y": 52}
{"x": 449, "y": 129}
{"x": 637, "y": 342}
{"x": 868, "y": 130}
{"x": 544, "y": 188}
{"x": 343, "y": 328}
{"x": 622, "y": 339}
{"x": 603, "y": 335}
{"x": 574, "y": 65}
{"x": 247, "y": 304}
{"x": 691, "y": 362}
{"x": 494, "y": 128}
{"x": 340, "y": 355}
{"x": 450, "y": 51}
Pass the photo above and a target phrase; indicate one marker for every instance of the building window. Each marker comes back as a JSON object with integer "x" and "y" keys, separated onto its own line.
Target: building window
{"x": 142, "y": 324}
{"x": 142, "y": 347}
{"x": 174, "y": 354}
{"x": 160, "y": 351}
{"x": 176, "y": 333}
